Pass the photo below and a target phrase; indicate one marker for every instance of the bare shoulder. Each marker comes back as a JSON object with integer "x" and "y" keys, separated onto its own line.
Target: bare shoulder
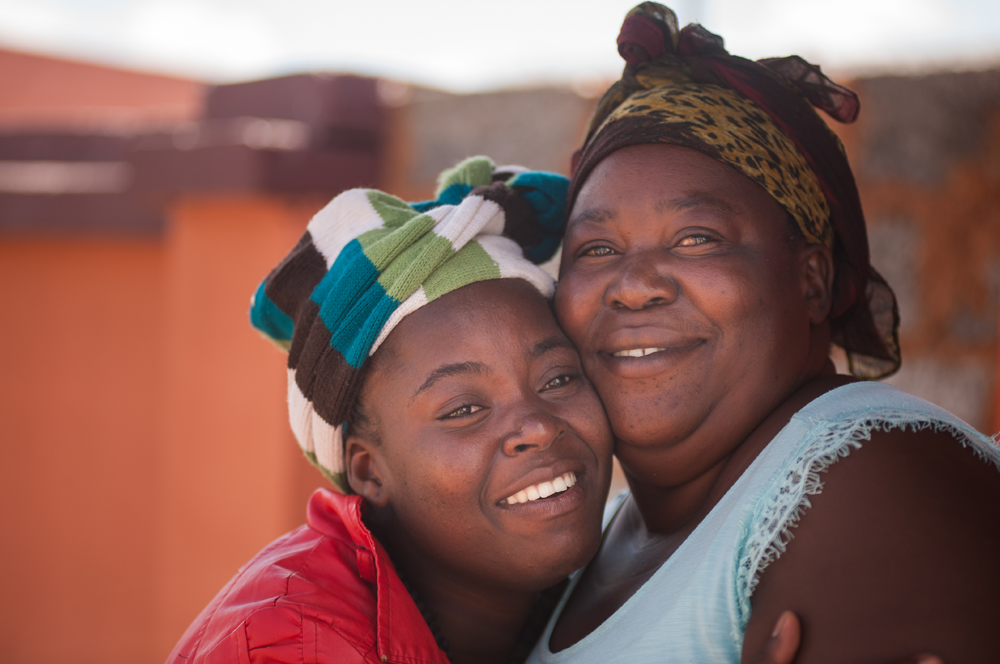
{"x": 898, "y": 554}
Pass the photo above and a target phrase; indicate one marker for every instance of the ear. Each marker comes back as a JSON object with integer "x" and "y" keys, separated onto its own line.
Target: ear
{"x": 364, "y": 465}
{"x": 817, "y": 281}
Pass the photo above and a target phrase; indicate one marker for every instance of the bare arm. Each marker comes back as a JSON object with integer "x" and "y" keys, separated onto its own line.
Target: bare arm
{"x": 897, "y": 555}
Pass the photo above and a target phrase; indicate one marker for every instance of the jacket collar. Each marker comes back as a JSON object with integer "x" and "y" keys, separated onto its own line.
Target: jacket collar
{"x": 401, "y": 633}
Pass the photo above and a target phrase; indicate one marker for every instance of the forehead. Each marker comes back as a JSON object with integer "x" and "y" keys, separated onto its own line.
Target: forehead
{"x": 473, "y": 323}
{"x": 665, "y": 177}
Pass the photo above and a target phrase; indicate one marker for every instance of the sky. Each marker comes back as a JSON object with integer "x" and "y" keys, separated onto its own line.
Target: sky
{"x": 477, "y": 46}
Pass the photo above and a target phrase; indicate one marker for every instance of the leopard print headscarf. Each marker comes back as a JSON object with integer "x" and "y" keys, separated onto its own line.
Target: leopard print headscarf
{"x": 681, "y": 87}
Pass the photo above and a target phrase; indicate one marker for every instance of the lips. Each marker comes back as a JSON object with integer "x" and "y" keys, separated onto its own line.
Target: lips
{"x": 646, "y": 340}
{"x": 543, "y": 489}
{"x": 642, "y": 352}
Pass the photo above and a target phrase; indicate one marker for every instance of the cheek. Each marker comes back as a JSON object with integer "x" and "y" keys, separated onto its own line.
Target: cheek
{"x": 438, "y": 474}
{"x": 576, "y": 304}
{"x": 588, "y": 418}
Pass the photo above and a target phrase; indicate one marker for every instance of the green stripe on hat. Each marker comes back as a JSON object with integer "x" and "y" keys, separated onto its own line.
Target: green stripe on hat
{"x": 469, "y": 265}
{"x": 387, "y": 244}
{"x": 413, "y": 265}
{"x": 393, "y": 211}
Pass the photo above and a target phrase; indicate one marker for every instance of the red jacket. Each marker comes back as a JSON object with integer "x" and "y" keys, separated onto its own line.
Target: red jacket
{"x": 325, "y": 592}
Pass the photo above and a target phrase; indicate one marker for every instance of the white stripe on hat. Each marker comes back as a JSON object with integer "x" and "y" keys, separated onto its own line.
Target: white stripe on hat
{"x": 405, "y": 308}
{"x": 473, "y": 216}
{"x": 314, "y": 434}
{"x": 513, "y": 265}
{"x": 299, "y": 414}
{"x": 329, "y": 442}
{"x": 343, "y": 219}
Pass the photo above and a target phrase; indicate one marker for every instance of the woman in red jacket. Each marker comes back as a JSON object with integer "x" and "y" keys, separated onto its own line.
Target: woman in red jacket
{"x": 473, "y": 471}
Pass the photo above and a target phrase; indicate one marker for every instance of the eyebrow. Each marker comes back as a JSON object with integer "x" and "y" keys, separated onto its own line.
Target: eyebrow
{"x": 694, "y": 200}
{"x": 595, "y": 215}
{"x": 544, "y": 346}
{"x": 697, "y": 199}
{"x": 448, "y": 370}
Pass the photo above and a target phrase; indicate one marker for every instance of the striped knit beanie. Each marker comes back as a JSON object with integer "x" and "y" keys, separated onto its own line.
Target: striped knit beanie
{"x": 368, "y": 259}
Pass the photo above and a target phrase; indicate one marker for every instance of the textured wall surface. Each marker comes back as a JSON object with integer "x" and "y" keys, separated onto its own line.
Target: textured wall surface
{"x": 926, "y": 152}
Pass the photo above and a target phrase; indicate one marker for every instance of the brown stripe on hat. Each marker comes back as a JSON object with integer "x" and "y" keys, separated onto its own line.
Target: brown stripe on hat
{"x": 301, "y": 337}
{"x": 322, "y": 374}
{"x": 520, "y": 221}
{"x": 292, "y": 282}
{"x": 335, "y": 388}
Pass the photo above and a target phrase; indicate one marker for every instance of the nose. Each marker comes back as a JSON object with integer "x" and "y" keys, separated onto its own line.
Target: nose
{"x": 641, "y": 282}
{"x": 532, "y": 430}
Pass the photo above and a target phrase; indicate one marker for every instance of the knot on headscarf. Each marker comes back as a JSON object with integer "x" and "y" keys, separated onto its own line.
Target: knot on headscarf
{"x": 369, "y": 259}
{"x": 681, "y": 87}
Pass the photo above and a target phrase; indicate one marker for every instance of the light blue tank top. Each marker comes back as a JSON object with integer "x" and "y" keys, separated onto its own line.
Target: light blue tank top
{"x": 696, "y": 606}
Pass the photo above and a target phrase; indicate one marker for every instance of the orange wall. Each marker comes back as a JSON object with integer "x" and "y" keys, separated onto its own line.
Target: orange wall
{"x": 159, "y": 459}
{"x": 37, "y": 91}
{"x": 229, "y": 469}
{"x": 78, "y": 407}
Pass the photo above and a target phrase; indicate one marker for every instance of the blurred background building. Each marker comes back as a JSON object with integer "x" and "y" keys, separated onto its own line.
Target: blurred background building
{"x": 146, "y": 451}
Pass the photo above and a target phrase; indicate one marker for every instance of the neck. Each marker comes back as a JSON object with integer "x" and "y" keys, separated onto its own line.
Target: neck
{"x": 479, "y": 626}
{"x": 669, "y": 510}
{"x": 678, "y": 507}
{"x": 479, "y": 623}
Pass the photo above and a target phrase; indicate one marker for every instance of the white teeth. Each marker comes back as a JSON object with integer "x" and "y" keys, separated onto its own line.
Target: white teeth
{"x": 543, "y": 489}
{"x": 519, "y": 497}
{"x": 638, "y": 352}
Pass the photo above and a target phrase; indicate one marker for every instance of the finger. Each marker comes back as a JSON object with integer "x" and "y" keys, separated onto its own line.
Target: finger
{"x": 921, "y": 659}
{"x": 784, "y": 642}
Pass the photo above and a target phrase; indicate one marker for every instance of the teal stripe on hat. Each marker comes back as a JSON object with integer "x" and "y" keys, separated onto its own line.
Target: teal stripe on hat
{"x": 350, "y": 274}
{"x": 268, "y": 318}
{"x": 546, "y": 193}
{"x": 352, "y": 304}
{"x": 454, "y": 194}
{"x": 356, "y": 329}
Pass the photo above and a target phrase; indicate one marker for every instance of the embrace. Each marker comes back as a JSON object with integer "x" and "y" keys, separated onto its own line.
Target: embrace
{"x": 465, "y": 407}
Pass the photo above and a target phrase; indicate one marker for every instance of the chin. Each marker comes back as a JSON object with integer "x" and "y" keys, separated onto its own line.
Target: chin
{"x": 561, "y": 567}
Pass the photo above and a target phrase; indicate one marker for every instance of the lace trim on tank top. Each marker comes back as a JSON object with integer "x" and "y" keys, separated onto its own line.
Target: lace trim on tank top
{"x": 826, "y": 441}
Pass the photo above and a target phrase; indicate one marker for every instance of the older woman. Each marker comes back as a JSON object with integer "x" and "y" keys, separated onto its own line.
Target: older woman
{"x": 715, "y": 249}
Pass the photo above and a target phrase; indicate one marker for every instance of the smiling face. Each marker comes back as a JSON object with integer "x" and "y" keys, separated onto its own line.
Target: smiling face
{"x": 492, "y": 454}
{"x": 686, "y": 297}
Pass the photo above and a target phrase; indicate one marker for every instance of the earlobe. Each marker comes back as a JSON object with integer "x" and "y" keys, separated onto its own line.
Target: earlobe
{"x": 363, "y": 464}
{"x": 817, "y": 282}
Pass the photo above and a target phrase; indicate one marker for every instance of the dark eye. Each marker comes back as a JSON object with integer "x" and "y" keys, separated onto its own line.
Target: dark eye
{"x": 599, "y": 251}
{"x": 463, "y": 411}
{"x": 559, "y": 381}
